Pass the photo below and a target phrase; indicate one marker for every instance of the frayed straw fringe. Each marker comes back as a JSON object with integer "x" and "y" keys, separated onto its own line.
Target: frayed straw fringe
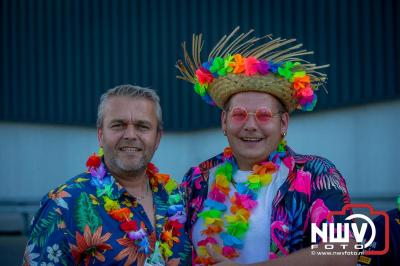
{"x": 271, "y": 50}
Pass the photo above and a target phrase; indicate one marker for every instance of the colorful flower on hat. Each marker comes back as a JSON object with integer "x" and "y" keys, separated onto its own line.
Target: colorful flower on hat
{"x": 300, "y": 80}
{"x": 286, "y": 70}
{"x": 274, "y": 67}
{"x": 250, "y": 66}
{"x": 228, "y": 63}
{"x": 263, "y": 67}
{"x": 200, "y": 89}
{"x": 302, "y": 85}
{"x": 220, "y": 66}
{"x": 238, "y": 64}
{"x": 204, "y": 76}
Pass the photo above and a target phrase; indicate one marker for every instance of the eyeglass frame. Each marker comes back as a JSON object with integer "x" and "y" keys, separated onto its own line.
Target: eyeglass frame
{"x": 273, "y": 114}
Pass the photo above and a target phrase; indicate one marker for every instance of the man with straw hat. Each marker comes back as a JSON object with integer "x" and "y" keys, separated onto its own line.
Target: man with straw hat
{"x": 256, "y": 200}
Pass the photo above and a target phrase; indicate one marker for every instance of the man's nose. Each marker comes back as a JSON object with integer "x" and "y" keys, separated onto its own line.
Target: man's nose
{"x": 130, "y": 132}
{"x": 250, "y": 124}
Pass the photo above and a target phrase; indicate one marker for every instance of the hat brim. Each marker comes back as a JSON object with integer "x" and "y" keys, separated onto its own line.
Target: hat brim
{"x": 223, "y": 87}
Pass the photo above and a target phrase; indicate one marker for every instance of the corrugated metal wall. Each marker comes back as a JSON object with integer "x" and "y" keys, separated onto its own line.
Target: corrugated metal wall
{"x": 58, "y": 56}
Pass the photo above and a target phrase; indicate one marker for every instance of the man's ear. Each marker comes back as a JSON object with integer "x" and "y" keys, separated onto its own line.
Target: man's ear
{"x": 159, "y": 135}
{"x": 223, "y": 120}
{"x": 284, "y": 123}
{"x": 100, "y": 137}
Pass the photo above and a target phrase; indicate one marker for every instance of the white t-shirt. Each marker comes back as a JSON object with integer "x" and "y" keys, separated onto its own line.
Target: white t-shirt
{"x": 257, "y": 239}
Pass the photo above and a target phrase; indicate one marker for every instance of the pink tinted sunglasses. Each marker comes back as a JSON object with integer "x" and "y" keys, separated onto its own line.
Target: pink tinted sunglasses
{"x": 262, "y": 115}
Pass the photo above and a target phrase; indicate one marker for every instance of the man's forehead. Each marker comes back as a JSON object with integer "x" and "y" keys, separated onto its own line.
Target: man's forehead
{"x": 128, "y": 108}
{"x": 128, "y": 100}
{"x": 252, "y": 98}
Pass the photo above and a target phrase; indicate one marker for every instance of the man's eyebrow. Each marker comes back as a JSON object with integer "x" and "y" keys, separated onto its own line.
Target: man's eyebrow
{"x": 143, "y": 122}
{"x": 135, "y": 122}
{"x": 117, "y": 121}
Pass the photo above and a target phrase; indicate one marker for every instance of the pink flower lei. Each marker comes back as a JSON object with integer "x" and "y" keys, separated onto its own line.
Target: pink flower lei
{"x": 233, "y": 227}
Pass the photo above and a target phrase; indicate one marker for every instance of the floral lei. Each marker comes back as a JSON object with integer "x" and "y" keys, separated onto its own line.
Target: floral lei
{"x": 233, "y": 227}
{"x": 138, "y": 233}
{"x": 249, "y": 66}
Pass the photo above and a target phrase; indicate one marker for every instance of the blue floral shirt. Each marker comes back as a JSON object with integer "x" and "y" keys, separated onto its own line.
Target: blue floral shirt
{"x": 73, "y": 226}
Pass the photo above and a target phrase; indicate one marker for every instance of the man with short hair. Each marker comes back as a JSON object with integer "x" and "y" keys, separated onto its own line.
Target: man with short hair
{"x": 120, "y": 211}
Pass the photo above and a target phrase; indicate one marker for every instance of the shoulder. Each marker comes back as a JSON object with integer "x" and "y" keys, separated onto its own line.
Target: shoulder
{"x": 316, "y": 165}
{"x": 324, "y": 176}
{"x": 74, "y": 185}
{"x": 63, "y": 195}
{"x": 196, "y": 171}
{"x": 48, "y": 227}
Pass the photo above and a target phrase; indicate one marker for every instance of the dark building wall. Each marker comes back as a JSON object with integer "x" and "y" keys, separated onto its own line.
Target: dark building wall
{"x": 59, "y": 56}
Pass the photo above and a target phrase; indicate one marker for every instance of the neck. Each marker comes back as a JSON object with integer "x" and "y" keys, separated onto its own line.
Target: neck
{"x": 136, "y": 186}
{"x": 131, "y": 182}
{"x": 245, "y": 166}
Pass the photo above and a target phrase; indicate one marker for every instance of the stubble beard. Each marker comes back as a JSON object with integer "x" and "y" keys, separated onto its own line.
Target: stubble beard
{"x": 122, "y": 168}
{"x": 130, "y": 169}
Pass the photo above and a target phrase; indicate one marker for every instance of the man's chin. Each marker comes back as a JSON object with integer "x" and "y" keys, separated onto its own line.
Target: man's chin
{"x": 131, "y": 166}
{"x": 255, "y": 157}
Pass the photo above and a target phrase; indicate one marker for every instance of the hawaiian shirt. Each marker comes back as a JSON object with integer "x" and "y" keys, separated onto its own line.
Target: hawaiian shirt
{"x": 392, "y": 257}
{"x": 312, "y": 188}
{"x": 72, "y": 227}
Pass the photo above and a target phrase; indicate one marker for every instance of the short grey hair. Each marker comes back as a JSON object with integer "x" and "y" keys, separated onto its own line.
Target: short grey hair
{"x": 133, "y": 92}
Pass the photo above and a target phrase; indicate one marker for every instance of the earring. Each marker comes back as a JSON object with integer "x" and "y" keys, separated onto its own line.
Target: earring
{"x": 224, "y": 132}
{"x": 284, "y": 134}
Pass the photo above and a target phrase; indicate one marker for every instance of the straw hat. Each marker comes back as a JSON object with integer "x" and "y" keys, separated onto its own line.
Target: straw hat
{"x": 249, "y": 63}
